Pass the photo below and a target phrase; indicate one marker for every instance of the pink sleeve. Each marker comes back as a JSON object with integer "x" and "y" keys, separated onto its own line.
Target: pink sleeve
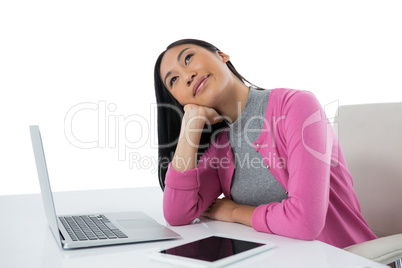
{"x": 189, "y": 193}
{"x": 308, "y": 139}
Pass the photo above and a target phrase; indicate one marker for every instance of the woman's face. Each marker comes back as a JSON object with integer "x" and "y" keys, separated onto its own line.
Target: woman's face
{"x": 193, "y": 74}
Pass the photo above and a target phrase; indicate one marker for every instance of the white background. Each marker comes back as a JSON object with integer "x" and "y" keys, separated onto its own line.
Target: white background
{"x": 56, "y": 55}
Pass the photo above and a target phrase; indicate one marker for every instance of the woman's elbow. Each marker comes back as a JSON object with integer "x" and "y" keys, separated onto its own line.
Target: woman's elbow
{"x": 310, "y": 234}
{"x": 177, "y": 217}
{"x": 177, "y": 221}
{"x": 310, "y": 227}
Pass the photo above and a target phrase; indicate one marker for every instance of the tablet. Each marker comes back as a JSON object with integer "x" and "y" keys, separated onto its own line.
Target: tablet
{"x": 212, "y": 251}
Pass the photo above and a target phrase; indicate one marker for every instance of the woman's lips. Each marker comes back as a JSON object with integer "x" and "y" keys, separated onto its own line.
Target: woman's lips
{"x": 200, "y": 84}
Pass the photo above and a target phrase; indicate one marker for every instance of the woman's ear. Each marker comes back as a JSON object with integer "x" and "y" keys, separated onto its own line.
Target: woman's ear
{"x": 225, "y": 58}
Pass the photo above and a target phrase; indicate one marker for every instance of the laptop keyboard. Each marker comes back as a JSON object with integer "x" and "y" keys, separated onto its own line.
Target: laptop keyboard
{"x": 89, "y": 227}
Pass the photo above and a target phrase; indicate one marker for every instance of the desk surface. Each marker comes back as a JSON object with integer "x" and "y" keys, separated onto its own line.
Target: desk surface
{"x": 26, "y": 240}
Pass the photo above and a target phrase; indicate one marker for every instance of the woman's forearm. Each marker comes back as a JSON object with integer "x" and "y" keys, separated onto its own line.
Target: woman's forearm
{"x": 194, "y": 119}
{"x": 227, "y": 210}
{"x": 185, "y": 156}
{"x": 243, "y": 214}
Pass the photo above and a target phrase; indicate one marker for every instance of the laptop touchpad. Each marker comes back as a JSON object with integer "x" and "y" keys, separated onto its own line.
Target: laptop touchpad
{"x": 137, "y": 223}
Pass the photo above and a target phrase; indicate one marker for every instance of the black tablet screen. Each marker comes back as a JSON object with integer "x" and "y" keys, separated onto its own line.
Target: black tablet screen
{"x": 212, "y": 248}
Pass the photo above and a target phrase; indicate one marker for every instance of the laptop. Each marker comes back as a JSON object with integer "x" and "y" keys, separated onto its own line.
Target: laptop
{"x": 98, "y": 229}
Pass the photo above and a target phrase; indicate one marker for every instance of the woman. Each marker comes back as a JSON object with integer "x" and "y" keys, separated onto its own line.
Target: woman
{"x": 272, "y": 153}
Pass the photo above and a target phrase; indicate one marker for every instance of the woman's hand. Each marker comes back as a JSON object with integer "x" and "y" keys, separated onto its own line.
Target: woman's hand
{"x": 227, "y": 210}
{"x": 195, "y": 112}
{"x": 192, "y": 125}
{"x": 221, "y": 210}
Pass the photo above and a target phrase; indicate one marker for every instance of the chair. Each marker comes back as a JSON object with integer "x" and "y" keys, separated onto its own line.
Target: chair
{"x": 370, "y": 136}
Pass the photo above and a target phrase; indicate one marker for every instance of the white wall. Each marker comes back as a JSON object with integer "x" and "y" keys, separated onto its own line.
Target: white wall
{"x": 54, "y": 56}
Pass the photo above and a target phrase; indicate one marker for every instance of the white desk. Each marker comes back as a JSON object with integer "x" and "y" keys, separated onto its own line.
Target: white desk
{"x": 26, "y": 240}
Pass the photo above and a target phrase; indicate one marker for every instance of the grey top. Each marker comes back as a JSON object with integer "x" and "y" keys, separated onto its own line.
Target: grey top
{"x": 252, "y": 183}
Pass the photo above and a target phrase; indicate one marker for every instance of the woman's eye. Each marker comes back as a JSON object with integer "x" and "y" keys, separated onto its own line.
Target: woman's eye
{"x": 188, "y": 58}
{"x": 172, "y": 81}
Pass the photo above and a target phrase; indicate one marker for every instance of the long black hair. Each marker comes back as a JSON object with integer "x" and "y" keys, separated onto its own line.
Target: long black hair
{"x": 170, "y": 113}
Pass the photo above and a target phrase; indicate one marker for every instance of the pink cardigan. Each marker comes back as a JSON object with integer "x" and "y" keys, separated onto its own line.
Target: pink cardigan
{"x": 300, "y": 148}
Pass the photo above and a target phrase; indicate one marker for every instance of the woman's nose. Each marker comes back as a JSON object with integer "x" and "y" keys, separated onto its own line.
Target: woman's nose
{"x": 191, "y": 78}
